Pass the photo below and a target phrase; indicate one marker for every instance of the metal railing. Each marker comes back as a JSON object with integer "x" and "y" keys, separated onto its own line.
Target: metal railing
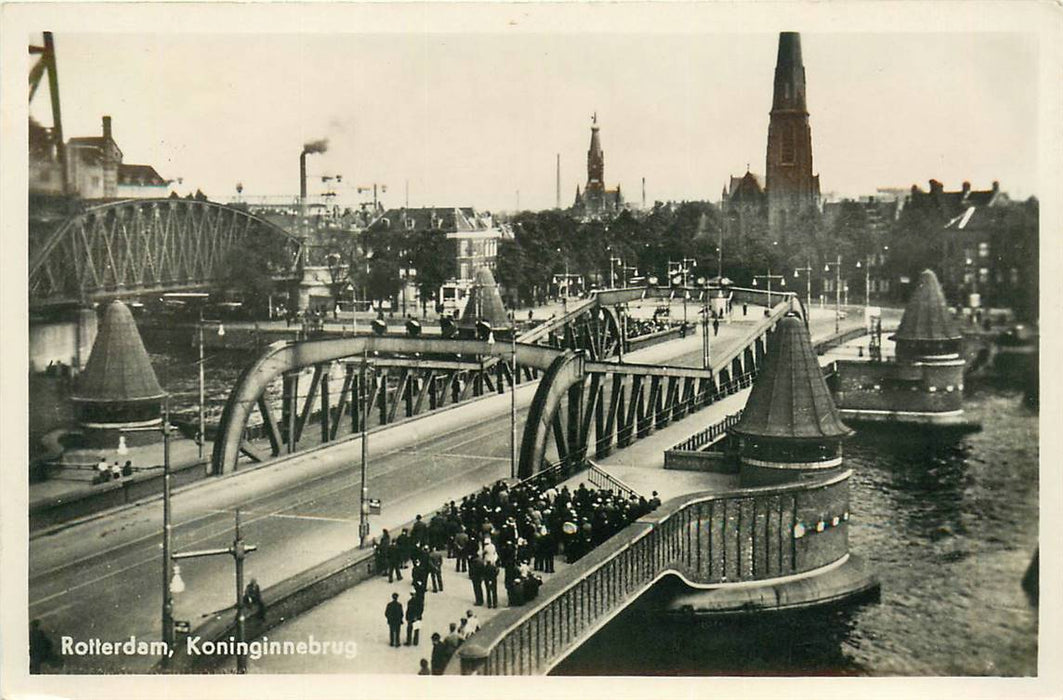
{"x": 602, "y": 479}
{"x": 708, "y": 435}
{"x": 708, "y": 538}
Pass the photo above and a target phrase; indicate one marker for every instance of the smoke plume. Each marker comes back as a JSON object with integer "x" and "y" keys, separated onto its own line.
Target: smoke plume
{"x": 319, "y": 146}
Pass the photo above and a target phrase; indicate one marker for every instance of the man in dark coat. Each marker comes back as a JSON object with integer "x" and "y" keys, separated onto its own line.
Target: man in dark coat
{"x": 476, "y": 574}
{"x": 381, "y": 553}
{"x": 419, "y": 532}
{"x": 460, "y": 544}
{"x": 435, "y": 569}
{"x": 393, "y": 614}
{"x": 440, "y": 655}
{"x": 405, "y": 545}
{"x": 490, "y": 574}
{"x": 414, "y": 613}
{"x": 394, "y": 557}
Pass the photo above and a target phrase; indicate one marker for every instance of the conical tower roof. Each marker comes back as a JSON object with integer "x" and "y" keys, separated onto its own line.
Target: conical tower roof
{"x": 118, "y": 369}
{"x": 790, "y": 399}
{"x": 485, "y": 303}
{"x": 927, "y": 315}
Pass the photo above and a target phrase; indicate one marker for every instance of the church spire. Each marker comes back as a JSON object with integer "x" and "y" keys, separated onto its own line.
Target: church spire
{"x": 789, "y": 75}
{"x": 595, "y": 156}
{"x": 792, "y": 188}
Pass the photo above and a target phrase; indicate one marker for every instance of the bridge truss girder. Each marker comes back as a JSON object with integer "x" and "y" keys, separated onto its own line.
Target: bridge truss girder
{"x": 144, "y": 246}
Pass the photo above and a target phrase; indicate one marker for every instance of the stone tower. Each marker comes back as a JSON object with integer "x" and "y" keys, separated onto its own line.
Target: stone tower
{"x": 792, "y": 188}
{"x": 595, "y": 160}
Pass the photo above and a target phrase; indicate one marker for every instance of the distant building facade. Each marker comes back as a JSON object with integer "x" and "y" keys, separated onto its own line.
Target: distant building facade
{"x": 792, "y": 189}
{"x": 97, "y": 171}
{"x": 596, "y": 202}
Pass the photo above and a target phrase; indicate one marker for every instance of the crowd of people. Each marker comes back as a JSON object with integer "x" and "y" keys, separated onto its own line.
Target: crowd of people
{"x": 510, "y": 531}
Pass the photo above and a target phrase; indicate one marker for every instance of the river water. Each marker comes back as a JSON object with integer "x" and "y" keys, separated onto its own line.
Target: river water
{"x": 948, "y": 526}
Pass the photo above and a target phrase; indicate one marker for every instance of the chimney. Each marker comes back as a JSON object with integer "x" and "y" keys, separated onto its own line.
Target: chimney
{"x": 936, "y": 187}
{"x": 966, "y": 189}
{"x": 106, "y": 127}
{"x": 996, "y": 185}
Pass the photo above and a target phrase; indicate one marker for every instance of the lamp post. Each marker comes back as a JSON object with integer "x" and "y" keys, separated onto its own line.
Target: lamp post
{"x": 513, "y": 397}
{"x": 704, "y": 323}
{"x": 167, "y": 528}
{"x": 363, "y": 503}
{"x": 837, "y": 264}
{"x": 202, "y": 437}
{"x": 612, "y": 274}
{"x": 769, "y": 277}
{"x": 238, "y": 551}
{"x": 867, "y": 281}
{"x": 807, "y": 269}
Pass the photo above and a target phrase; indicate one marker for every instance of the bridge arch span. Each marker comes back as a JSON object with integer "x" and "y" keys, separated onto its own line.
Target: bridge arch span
{"x": 148, "y": 245}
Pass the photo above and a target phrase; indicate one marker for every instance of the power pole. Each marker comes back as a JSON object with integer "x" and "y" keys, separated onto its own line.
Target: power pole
{"x": 644, "y": 193}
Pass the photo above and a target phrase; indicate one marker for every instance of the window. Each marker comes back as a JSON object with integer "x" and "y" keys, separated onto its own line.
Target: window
{"x": 983, "y": 249}
{"x": 983, "y": 274}
{"x": 1014, "y": 275}
{"x": 789, "y": 145}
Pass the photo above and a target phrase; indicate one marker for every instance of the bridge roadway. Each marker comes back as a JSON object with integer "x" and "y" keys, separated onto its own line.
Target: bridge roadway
{"x": 357, "y": 614}
{"x": 100, "y": 578}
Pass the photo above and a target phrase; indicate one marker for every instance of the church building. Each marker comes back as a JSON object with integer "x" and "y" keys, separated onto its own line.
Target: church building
{"x": 596, "y": 202}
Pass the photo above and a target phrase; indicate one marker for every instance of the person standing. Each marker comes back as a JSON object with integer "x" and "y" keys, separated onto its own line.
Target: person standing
{"x": 393, "y": 614}
{"x": 394, "y": 559}
{"x": 473, "y": 624}
{"x": 461, "y": 545}
{"x": 414, "y": 613}
{"x": 425, "y": 670}
{"x": 435, "y": 569}
{"x": 454, "y": 639}
{"x": 440, "y": 655}
{"x": 476, "y": 575}
{"x": 490, "y": 574}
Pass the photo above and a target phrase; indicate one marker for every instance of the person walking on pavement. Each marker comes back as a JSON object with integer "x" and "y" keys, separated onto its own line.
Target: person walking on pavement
{"x": 414, "y": 613}
{"x": 435, "y": 569}
{"x": 393, "y": 614}
{"x": 476, "y": 574}
{"x": 490, "y": 574}
{"x": 715, "y": 326}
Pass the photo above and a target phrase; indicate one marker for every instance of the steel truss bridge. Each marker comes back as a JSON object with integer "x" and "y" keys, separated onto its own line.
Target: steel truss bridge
{"x": 585, "y": 401}
{"x": 147, "y": 246}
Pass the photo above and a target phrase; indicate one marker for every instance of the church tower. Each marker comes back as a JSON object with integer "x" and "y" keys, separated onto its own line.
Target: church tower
{"x": 596, "y": 201}
{"x": 791, "y": 186}
{"x": 595, "y": 159}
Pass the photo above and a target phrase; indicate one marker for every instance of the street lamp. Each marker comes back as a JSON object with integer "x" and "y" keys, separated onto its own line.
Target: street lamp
{"x": 238, "y": 551}
{"x": 704, "y": 323}
{"x": 202, "y": 437}
{"x": 867, "y": 282}
{"x": 612, "y": 274}
{"x": 769, "y": 277}
{"x": 837, "y": 264}
{"x": 167, "y": 529}
{"x": 807, "y": 269}
{"x": 363, "y": 510}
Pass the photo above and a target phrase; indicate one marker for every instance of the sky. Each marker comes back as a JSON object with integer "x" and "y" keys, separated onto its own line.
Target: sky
{"x": 474, "y": 119}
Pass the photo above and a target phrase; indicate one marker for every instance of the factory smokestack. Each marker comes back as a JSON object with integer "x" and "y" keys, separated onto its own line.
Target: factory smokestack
{"x": 319, "y": 146}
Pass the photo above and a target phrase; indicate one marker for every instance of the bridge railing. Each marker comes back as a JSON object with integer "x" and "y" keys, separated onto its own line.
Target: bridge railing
{"x": 601, "y": 479}
{"x": 707, "y": 538}
{"x": 709, "y": 435}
